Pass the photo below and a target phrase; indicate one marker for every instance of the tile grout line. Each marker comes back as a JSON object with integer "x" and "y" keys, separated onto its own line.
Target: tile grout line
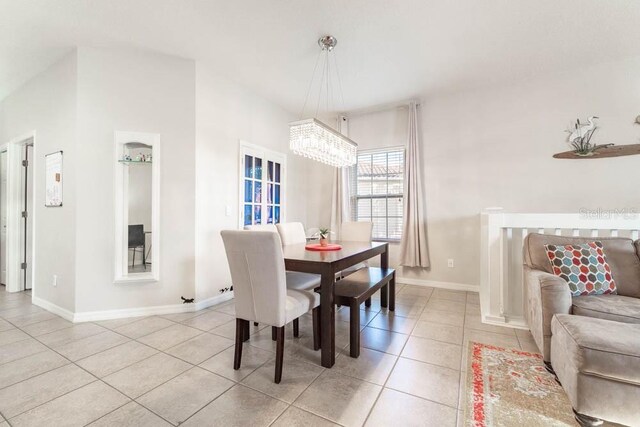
{"x": 239, "y": 382}
{"x": 35, "y": 376}
{"x": 393, "y": 368}
{"x": 97, "y": 379}
{"x": 236, "y": 383}
{"x": 78, "y": 366}
{"x": 108, "y": 413}
{"x": 159, "y": 385}
{"x": 463, "y": 372}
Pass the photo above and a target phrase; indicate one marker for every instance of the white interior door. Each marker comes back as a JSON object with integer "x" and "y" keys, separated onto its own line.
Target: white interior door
{"x": 3, "y": 217}
{"x": 262, "y": 192}
{"x": 28, "y": 217}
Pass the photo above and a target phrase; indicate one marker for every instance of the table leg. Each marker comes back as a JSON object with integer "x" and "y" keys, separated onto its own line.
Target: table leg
{"x": 384, "y": 264}
{"x": 327, "y": 319}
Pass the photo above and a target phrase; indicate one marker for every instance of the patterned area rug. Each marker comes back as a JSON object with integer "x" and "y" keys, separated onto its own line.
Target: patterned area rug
{"x": 508, "y": 387}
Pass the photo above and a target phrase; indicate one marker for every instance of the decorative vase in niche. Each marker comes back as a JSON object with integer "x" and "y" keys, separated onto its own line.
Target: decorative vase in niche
{"x": 324, "y": 242}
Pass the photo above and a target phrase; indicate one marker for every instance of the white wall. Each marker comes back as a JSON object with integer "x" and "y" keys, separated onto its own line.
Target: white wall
{"x": 225, "y": 114}
{"x": 95, "y": 92}
{"x": 146, "y": 92}
{"x": 494, "y": 146}
{"x": 47, "y": 104}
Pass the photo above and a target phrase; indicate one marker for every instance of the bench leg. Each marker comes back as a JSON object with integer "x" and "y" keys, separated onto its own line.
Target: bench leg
{"x": 273, "y": 333}
{"x": 384, "y": 296}
{"x": 296, "y": 328}
{"x": 367, "y": 302}
{"x": 255, "y": 323}
{"x": 315, "y": 314}
{"x": 354, "y": 329}
{"x": 392, "y": 294}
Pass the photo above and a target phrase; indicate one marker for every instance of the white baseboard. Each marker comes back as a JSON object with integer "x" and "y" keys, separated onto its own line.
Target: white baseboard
{"x": 55, "y": 309}
{"x": 92, "y": 316}
{"x": 511, "y": 322}
{"x": 442, "y": 285}
{"x": 218, "y": 299}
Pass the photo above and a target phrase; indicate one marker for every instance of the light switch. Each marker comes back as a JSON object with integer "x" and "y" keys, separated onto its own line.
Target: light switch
{"x": 227, "y": 210}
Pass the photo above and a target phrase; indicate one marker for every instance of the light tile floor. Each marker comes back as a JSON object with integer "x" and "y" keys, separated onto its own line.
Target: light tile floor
{"x": 177, "y": 368}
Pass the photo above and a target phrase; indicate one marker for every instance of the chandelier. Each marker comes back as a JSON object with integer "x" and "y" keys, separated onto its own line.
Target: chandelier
{"x": 313, "y": 139}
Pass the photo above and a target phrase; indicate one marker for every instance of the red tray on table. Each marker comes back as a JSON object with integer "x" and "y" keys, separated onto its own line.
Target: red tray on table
{"x": 319, "y": 248}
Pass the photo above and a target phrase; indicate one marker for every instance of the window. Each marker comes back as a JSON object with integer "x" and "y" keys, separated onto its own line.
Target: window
{"x": 378, "y": 179}
{"x": 262, "y": 185}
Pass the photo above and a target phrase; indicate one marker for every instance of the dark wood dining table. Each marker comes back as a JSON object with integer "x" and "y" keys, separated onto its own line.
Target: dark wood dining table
{"x": 327, "y": 264}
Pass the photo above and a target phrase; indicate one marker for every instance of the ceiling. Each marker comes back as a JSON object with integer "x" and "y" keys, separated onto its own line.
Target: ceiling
{"x": 387, "y": 50}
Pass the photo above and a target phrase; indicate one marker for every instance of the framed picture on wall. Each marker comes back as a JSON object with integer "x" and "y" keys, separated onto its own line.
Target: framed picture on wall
{"x": 53, "y": 173}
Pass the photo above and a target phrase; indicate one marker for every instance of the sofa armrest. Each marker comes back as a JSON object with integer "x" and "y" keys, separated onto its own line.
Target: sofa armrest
{"x": 546, "y": 295}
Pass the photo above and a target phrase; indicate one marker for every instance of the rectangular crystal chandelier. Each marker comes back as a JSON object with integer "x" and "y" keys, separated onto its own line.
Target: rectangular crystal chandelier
{"x": 313, "y": 139}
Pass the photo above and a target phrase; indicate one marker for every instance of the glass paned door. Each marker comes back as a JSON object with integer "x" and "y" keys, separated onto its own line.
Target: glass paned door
{"x": 262, "y": 185}
{"x": 252, "y": 190}
{"x": 274, "y": 185}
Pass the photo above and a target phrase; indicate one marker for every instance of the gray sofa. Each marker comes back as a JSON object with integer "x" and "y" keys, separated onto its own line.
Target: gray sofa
{"x": 591, "y": 342}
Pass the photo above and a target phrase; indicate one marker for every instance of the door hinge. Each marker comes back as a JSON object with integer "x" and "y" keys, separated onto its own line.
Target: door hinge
{"x": 23, "y": 266}
{"x": 25, "y": 163}
{"x": 25, "y": 214}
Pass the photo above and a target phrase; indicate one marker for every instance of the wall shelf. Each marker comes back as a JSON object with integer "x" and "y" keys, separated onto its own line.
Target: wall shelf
{"x": 136, "y": 162}
{"x": 613, "y": 151}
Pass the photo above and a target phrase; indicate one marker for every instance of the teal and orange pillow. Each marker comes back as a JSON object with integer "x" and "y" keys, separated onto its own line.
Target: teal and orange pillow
{"x": 584, "y": 268}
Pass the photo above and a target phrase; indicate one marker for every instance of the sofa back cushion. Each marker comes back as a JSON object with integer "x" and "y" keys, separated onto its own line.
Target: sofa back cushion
{"x": 621, "y": 256}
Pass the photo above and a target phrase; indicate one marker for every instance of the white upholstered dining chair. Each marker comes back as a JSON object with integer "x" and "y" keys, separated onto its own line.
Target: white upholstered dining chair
{"x": 355, "y": 231}
{"x": 261, "y": 227}
{"x": 291, "y": 233}
{"x": 295, "y": 279}
{"x": 260, "y": 290}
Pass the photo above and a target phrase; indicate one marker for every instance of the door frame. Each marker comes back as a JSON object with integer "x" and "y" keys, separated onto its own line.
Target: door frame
{"x": 266, "y": 154}
{"x": 15, "y": 199}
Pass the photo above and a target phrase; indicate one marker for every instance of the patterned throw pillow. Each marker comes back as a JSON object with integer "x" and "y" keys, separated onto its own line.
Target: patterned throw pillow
{"x": 584, "y": 267}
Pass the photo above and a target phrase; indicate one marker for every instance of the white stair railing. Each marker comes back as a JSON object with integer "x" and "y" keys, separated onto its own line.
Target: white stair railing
{"x": 501, "y": 263}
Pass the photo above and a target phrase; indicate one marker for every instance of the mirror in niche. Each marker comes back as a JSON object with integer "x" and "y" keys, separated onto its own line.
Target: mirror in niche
{"x": 139, "y": 183}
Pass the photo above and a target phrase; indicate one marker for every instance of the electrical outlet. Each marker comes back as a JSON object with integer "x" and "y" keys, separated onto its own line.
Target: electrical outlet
{"x": 54, "y": 282}
{"x": 450, "y": 263}
{"x": 227, "y": 210}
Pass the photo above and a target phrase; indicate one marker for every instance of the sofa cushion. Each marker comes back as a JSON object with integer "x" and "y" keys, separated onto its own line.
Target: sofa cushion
{"x": 584, "y": 268}
{"x": 611, "y": 307}
{"x": 621, "y": 256}
{"x": 599, "y": 347}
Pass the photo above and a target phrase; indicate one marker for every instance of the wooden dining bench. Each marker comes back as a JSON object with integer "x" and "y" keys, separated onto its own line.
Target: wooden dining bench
{"x": 356, "y": 288}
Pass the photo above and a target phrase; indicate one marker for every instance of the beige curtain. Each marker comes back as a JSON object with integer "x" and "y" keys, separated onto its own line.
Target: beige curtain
{"x": 413, "y": 247}
{"x": 340, "y": 198}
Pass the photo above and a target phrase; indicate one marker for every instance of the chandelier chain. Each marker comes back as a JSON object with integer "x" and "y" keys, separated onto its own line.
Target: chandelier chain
{"x": 328, "y": 81}
{"x": 320, "y": 87}
{"x": 335, "y": 62}
{"x": 313, "y": 76}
